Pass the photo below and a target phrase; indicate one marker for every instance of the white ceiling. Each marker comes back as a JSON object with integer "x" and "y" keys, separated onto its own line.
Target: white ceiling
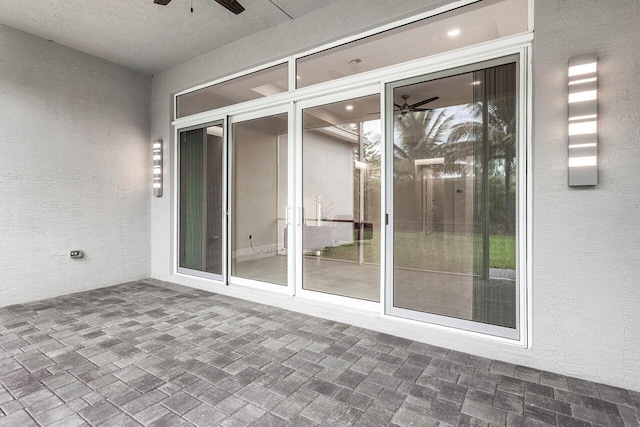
{"x": 142, "y": 35}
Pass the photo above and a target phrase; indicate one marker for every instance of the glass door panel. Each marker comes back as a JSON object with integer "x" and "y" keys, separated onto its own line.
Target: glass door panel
{"x": 341, "y": 184}
{"x": 454, "y": 195}
{"x": 201, "y": 201}
{"x": 259, "y": 199}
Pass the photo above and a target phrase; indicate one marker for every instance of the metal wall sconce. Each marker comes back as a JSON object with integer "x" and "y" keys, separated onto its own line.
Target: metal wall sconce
{"x": 583, "y": 120}
{"x": 157, "y": 168}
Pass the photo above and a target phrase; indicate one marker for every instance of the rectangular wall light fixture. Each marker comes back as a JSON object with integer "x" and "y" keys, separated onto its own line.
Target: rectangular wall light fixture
{"x": 583, "y": 120}
{"x": 157, "y": 168}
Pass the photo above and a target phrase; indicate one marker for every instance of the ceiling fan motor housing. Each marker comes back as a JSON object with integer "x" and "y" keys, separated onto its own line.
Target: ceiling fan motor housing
{"x": 231, "y": 5}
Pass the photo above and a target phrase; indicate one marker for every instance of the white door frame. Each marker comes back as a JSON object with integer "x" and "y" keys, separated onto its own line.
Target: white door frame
{"x": 176, "y": 208}
{"x": 520, "y": 56}
{"x": 300, "y": 292}
{"x": 250, "y": 283}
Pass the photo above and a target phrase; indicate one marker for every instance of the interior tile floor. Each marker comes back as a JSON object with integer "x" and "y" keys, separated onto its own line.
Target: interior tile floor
{"x": 150, "y": 353}
{"x": 427, "y": 291}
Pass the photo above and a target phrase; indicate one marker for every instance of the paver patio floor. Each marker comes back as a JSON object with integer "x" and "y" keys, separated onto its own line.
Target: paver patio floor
{"x": 148, "y": 353}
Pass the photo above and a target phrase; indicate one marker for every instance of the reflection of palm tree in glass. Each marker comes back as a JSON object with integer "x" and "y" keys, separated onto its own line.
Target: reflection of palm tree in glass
{"x": 419, "y": 135}
{"x": 501, "y": 125}
{"x": 456, "y": 134}
{"x": 369, "y": 154}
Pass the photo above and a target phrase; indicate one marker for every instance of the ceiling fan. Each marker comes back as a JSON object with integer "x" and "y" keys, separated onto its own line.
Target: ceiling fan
{"x": 406, "y": 108}
{"x": 410, "y": 108}
{"x": 231, "y": 5}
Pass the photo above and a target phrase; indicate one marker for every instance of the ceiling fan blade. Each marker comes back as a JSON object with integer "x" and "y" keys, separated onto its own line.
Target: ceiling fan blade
{"x": 426, "y": 101}
{"x": 398, "y": 105}
{"x": 162, "y": 2}
{"x": 378, "y": 112}
{"x": 231, "y": 5}
{"x": 421, "y": 109}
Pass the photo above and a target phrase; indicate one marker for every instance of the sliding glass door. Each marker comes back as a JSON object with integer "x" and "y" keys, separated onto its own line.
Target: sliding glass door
{"x": 453, "y": 150}
{"x": 201, "y": 209}
{"x": 259, "y": 200}
{"x": 341, "y": 183}
{"x": 446, "y": 236}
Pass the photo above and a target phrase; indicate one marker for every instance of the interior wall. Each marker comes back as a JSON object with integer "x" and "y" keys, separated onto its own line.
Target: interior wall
{"x": 75, "y": 170}
{"x": 328, "y": 174}
{"x": 255, "y": 186}
{"x": 586, "y": 241}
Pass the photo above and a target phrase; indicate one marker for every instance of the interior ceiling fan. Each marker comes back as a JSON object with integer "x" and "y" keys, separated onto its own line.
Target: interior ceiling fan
{"x": 231, "y": 5}
{"x": 410, "y": 108}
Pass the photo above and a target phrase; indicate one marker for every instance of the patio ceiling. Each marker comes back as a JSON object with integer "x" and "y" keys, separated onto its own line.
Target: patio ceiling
{"x": 141, "y": 35}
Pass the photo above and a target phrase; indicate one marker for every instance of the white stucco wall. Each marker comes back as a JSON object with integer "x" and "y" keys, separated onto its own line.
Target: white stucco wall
{"x": 586, "y": 289}
{"x": 74, "y": 170}
{"x": 586, "y": 320}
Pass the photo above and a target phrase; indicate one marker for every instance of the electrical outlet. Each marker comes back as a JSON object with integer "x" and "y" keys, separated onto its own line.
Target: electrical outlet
{"x": 76, "y": 254}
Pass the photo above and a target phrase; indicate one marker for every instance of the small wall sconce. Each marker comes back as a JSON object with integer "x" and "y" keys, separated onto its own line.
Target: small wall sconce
{"x": 157, "y": 168}
{"x": 583, "y": 120}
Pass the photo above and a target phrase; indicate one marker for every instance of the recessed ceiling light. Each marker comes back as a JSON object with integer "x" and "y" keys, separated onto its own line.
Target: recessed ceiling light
{"x": 298, "y": 77}
{"x": 349, "y": 107}
{"x": 476, "y": 83}
{"x": 454, "y": 33}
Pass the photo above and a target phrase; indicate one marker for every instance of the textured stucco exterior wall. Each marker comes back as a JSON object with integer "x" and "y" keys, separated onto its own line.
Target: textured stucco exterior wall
{"x": 75, "y": 170}
{"x": 586, "y": 315}
{"x": 586, "y": 289}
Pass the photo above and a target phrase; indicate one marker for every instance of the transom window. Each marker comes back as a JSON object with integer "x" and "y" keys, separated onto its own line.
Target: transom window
{"x": 478, "y": 22}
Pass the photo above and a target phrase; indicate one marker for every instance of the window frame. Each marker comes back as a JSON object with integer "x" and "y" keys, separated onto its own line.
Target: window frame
{"x": 238, "y": 281}
{"x": 453, "y": 322}
{"x": 292, "y": 59}
{"x": 519, "y": 44}
{"x": 300, "y": 291}
{"x": 184, "y": 270}
{"x": 230, "y": 78}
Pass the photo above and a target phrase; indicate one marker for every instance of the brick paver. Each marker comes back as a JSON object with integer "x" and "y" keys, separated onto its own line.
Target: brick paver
{"x": 149, "y": 353}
